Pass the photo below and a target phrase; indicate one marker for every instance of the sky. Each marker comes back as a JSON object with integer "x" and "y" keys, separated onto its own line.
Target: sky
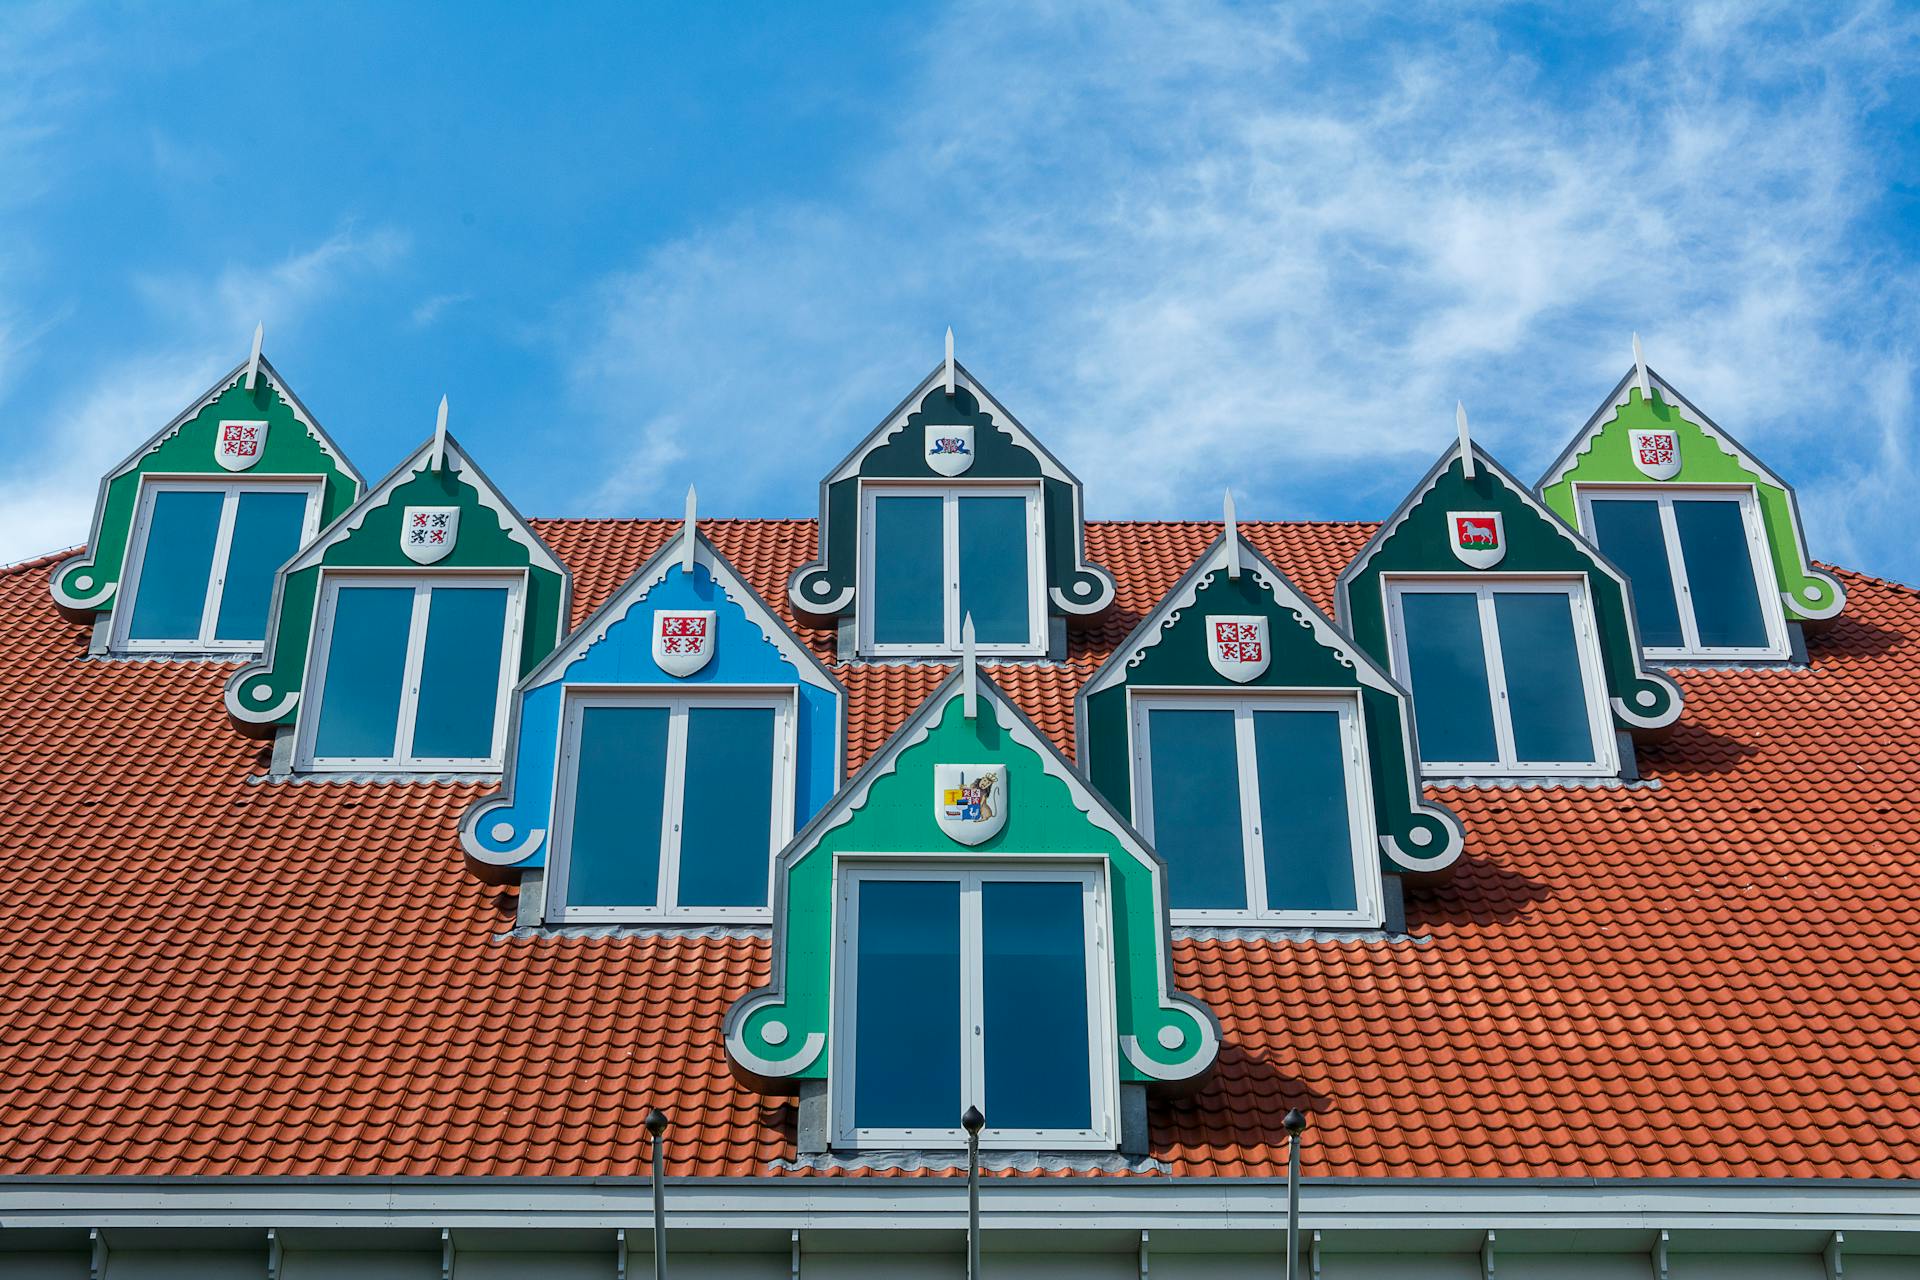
{"x": 1189, "y": 245}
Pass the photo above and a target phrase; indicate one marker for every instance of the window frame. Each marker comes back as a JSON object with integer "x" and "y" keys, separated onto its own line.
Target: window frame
{"x": 313, "y": 696}
{"x": 151, "y": 486}
{"x": 1586, "y": 639}
{"x": 850, "y": 869}
{"x": 1759, "y": 553}
{"x": 1361, "y": 819}
{"x": 950, "y": 494}
{"x": 782, "y": 699}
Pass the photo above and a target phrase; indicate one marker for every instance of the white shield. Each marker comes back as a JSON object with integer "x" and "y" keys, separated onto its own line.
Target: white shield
{"x": 237, "y": 445}
{"x": 1477, "y": 537}
{"x": 427, "y": 534}
{"x": 970, "y": 800}
{"x": 683, "y": 640}
{"x": 1237, "y": 645}
{"x": 950, "y": 449}
{"x": 1656, "y": 453}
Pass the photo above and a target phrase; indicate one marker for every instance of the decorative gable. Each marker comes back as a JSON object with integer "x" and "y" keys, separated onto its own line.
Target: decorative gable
{"x": 248, "y": 426}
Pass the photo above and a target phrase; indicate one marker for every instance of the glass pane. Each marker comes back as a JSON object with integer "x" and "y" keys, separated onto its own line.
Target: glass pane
{"x": 1629, "y": 533}
{"x": 1452, "y": 705}
{"x": 613, "y": 851}
{"x": 994, "y": 581}
{"x": 1034, "y": 988}
{"x": 1305, "y": 829}
{"x": 908, "y": 591}
{"x": 1546, "y": 695}
{"x": 727, "y": 814}
{"x": 1196, "y": 807}
{"x": 906, "y": 1052}
{"x": 1726, "y": 597}
{"x": 266, "y": 533}
{"x": 460, "y": 674}
{"x": 366, "y": 664}
{"x": 177, "y": 565}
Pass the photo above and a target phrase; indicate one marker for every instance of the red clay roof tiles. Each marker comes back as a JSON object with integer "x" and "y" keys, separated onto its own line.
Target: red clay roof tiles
{"x": 1713, "y": 974}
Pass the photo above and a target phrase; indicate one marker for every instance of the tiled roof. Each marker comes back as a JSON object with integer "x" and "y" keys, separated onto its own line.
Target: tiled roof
{"x": 1712, "y": 973}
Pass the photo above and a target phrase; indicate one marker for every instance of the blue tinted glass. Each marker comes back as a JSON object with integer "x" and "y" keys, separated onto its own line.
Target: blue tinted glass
{"x": 994, "y": 581}
{"x": 1546, "y": 695}
{"x": 460, "y": 674}
{"x": 613, "y": 849}
{"x": 1726, "y": 598}
{"x": 1196, "y": 807}
{"x": 266, "y": 533}
{"x": 177, "y": 565}
{"x": 1305, "y": 830}
{"x": 1629, "y": 533}
{"x": 726, "y": 816}
{"x": 906, "y": 1050}
{"x": 1034, "y": 988}
{"x": 908, "y": 591}
{"x": 1453, "y": 708}
{"x": 366, "y": 665}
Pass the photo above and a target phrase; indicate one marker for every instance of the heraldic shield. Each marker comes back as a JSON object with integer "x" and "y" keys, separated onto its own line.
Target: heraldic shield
{"x": 1478, "y": 538}
{"x": 1655, "y": 453}
{"x": 427, "y": 534}
{"x": 1237, "y": 646}
{"x": 970, "y": 800}
{"x": 683, "y": 640}
{"x": 238, "y": 445}
{"x": 950, "y": 449}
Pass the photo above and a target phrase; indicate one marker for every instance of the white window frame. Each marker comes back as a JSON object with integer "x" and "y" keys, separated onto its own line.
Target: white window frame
{"x": 950, "y": 495}
{"x": 1765, "y": 580}
{"x": 1360, "y": 815}
{"x": 314, "y": 695}
{"x": 780, "y": 699}
{"x": 1586, "y": 638}
{"x": 1103, "y": 1065}
{"x": 215, "y": 589}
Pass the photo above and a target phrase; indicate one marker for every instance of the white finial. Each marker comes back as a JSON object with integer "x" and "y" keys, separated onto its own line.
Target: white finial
{"x": 1233, "y": 538}
{"x": 949, "y": 359}
{"x": 253, "y": 361}
{"x": 687, "y": 534}
{"x": 1466, "y": 441}
{"x": 969, "y": 668}
{"x": 440, "y": 437}
{"x": 1640, "y": 371}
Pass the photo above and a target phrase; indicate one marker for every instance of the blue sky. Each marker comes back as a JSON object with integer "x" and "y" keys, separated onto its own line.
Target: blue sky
{"x": 1189, "y": 245}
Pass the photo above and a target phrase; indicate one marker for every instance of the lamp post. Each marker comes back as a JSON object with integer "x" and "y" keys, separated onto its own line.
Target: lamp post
{"x": 657, "y": 1127}
{"x": 973, "y": 1122}
{"x": 1295, "y": 1124}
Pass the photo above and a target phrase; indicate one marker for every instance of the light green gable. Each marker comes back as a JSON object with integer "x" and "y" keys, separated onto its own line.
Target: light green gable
{"x": 295, "y": 448}
{"x": 1601, "y": 454}
{"x": 778, "y": 1035}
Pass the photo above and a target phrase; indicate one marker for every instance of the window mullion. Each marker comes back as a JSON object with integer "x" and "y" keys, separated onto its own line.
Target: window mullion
{"x": 217, "y": 571}
{"x": 950, "y": 564}
{"x": 1252, "y": 829}
{"x": 1497, "y": 679}
{"x": 412, "y": 678}
{"x": 672, "y": 807}
{"x": 1677, "y": 565}
{"x": 973, "y": 1065}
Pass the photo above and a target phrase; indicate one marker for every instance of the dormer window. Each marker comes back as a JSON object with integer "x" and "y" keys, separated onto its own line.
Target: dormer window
{"x": 932, "y": 555}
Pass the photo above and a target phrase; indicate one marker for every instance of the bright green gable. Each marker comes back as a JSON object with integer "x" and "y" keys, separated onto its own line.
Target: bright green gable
{"x": 888, "y": 810}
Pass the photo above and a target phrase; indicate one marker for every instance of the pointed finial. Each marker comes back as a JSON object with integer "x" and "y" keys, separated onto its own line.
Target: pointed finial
{"x": 440, "y": 437}
{"x": 949, "y": 359}
{"x": 1466, "y": 440}
{"x": 1640, "y": 371}
{"x": 1233, "y": 538}
{"x": 253, "y": 361}
{"x": 687, "y": 533}
{"x": 969, "y": 668}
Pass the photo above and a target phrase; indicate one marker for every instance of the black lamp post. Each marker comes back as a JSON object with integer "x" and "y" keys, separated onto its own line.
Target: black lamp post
{"x": 1295, "y": 1123}
{"x": 973, "y": 1122}
{"x": 657, "y": 1127}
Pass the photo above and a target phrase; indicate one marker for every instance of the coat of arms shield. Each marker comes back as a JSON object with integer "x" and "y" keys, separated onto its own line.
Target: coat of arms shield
{"x": 682, "y": 640}
{"x": 970, "y": 800}
{"x": 1237, "y": 646}
{"x": 1656, "y": 453}
{"x": 237, "y": 445}
{"x": 1478, "y": 538}
{"x": 427, "y": 534}
{"x": 950, "y": 448}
